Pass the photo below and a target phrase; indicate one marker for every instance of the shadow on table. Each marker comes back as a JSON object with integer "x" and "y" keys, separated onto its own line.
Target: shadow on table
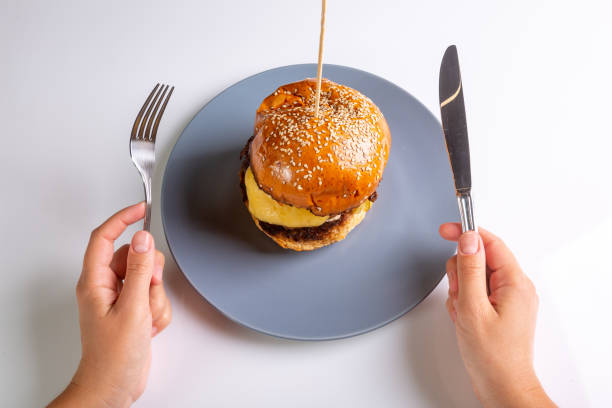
{"x": 53, "y": 335}
{"x": 429, "y": 349}
{"x": 432, "y": 356}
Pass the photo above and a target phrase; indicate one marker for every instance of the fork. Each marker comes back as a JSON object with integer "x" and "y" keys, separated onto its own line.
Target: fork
{"x": 142, "y": 140}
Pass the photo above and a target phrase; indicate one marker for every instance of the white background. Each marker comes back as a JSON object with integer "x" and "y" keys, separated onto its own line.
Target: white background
{"x": 538, "y": 95}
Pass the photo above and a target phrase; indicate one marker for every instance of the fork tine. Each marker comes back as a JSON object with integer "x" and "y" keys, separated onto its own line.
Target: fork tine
{"x": 139, "y": 116}
{"x": 148, "y": 113}
{"x": 148, "y": 135}
{"x": 141, "y": 135}
{"x": 159, "y": 116}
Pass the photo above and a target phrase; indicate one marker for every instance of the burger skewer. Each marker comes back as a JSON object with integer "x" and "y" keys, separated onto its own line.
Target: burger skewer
{"x": 320, "y": 64}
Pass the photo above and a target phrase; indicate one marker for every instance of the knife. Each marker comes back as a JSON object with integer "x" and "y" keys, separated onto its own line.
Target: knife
{"x": 452, "y": 111}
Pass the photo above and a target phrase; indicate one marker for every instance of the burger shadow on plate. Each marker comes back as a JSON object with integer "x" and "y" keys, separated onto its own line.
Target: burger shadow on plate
{"x": 214, "y": 201}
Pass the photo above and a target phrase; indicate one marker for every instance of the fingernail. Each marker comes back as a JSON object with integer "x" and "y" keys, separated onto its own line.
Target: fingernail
{"x": 468, "y": 243}
{"x": 154, "y": 331}
{"x": 141, "y": 242}
{"x": 455, "y": 304}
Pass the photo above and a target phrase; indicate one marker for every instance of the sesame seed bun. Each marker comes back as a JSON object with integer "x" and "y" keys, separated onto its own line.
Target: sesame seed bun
{"x": 328, "y": 164}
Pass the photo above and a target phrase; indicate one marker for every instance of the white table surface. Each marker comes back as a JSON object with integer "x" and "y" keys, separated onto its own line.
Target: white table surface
{"x": 538, "y": 96}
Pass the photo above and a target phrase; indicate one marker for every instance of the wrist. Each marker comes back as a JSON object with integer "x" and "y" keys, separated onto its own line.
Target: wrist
{"x": 89, "y": 384}
{"x": 534, "y": 395}
{"x": 78, "y": 396}
{"x": 521, "y": 389}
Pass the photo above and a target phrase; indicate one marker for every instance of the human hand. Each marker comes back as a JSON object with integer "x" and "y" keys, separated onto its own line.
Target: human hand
{"x": 122, "y": 305}
{"x": 494, "y": 323}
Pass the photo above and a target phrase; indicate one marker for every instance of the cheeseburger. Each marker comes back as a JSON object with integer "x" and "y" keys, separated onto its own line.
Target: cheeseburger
{"x": 308, "y": 180}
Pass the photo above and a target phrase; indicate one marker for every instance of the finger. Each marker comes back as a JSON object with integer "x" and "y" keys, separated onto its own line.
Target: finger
{"x": 504, "y": 270}
{"x": 119, "y": 261}
{"x": 450, "y": 231}
{"x": 451, "y": 272}
{"x": 451, "y": 309}
{"x": 119, "y": 264}
{"x": 100, "y": 249}
{"x": 499, "y": 255}
{"x": 158, "y": 270}
{"x": 138, "y": 271}
{"x": 161, "y": 310}
{"x": 471, "y": 271}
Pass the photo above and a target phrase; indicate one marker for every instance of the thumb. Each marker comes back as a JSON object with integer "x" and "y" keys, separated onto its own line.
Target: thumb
{"x": 139, "y": 269}
{"x": 471, "y": 271}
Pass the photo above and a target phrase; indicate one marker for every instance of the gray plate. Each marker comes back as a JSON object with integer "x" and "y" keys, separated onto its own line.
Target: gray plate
{"x": 384, "y": 268}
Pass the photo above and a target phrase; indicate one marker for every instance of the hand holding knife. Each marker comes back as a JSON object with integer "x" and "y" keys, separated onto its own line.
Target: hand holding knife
{"x": 454, "y": 125}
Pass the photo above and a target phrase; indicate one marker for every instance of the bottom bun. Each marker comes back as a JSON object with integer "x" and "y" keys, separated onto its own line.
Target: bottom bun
{"x": 323, "y": 236}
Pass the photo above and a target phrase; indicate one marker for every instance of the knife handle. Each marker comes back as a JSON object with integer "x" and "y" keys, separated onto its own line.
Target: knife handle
{"x": 466, "y": 211}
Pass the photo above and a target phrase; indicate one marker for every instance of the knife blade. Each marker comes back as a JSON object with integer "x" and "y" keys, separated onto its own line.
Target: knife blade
{"x": 452, "y": 112}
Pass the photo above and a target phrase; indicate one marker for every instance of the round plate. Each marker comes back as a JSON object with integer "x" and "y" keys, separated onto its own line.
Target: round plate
{"x": 384, "y": 267}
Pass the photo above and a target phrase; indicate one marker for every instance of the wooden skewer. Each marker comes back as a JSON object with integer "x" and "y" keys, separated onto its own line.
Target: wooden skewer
{"x": 320, "y": 66}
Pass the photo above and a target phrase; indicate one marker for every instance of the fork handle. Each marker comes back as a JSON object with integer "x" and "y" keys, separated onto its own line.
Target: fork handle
{"x": 147, "y": 188}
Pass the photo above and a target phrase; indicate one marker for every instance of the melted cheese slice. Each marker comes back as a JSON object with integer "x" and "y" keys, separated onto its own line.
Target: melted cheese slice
{"x": 263, "y": 207}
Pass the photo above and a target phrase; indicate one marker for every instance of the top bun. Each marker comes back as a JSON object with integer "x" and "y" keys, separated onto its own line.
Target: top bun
{"x": 328, "y": 164}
